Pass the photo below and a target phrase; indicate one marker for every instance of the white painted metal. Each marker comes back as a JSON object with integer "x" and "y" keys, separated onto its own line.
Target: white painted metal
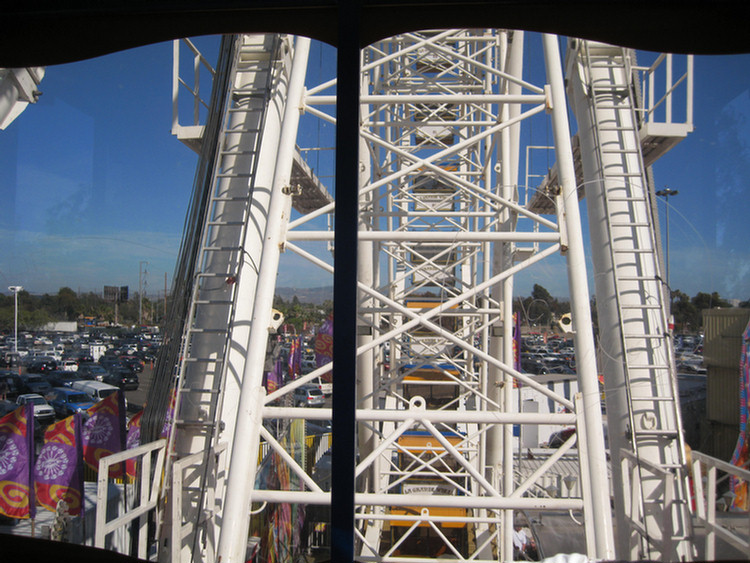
{"x": 240, "y": 479}
{"x": 638, "y": 364}
{"x": 704, "y": 494}
{"x": 150, "y": 461}
{"x": 441, "y": 114}
{"x": 217, "y": 330}
{"x": 397, "y": 224}
{"x": 579, "y": 305}
{"x": 18, "y": 89}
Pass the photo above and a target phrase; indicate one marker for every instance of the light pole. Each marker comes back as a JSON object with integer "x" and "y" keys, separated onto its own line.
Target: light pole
{"x": 15, "y": 289}
{"x": 141, "y": 272}
{"x": 666, "y": 193}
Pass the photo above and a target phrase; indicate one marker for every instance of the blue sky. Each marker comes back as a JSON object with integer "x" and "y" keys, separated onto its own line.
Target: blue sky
{"x": 93, "y": 183}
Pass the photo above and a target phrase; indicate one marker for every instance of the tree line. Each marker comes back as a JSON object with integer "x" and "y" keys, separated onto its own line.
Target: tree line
{"x": 538, "y": 309}
{"x": 541, "y": 309}
{"x": 35, "y": 311}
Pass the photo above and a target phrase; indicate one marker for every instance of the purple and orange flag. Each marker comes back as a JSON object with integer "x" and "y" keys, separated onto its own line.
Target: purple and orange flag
{"x": 133, "y": 441}
{"x": 103, "y": 433}
{"x": 16, "y": 467}
{"x": 59, "y": 468}
{"x": 324, "y": 347}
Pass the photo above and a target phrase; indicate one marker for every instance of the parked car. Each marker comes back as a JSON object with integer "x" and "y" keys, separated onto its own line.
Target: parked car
{"x": 83, "y": 357}
{"x": 33, "y": 383}
{"x": 308, "y": 396}
{"x": 44, "y": 413}
{"x": 92, "y": 371}
{"x": 68, "y": 401}
{"x": 124, "y": 379}
{"x": 69, "y": 365}
{"x": 41, "y": 365}
{"x": 8, "y": 384}
{"x": 112, "y": 362}
{"x": 97, "y": 390}
{"x": 59, "y": 378}
{"x": 132, "y": 362}
{"x": 6, "y": 407}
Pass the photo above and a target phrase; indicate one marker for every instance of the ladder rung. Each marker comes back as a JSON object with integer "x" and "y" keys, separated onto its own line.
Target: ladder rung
{"x": 245, "y": 110}
{"x": 199, "y": 390}
{"x": 198, "y": 330}
{"x": 241, "y": 175}
{"x": 220, "y": 249}
{"x": 242, "y": 130}
{"x": 232, "y": 198}
{"x": 619, "y": 151}
{"x": 225, "y": 223}
{"x": 606, "y": 88}
{"x": 198, "y": 423}
{"x": 203, "y": 360}
{"x": 636, "y": 278}
{"x": 657, "y": 433}
{"x": 623, "y": 175}
{"x": 213, "y": 301}
{"x": 655, "y": 399}
{"x": 645, "y": 307}
{"x": 633, "y": 250}
{"x": 631, "y": 224}
{"x": 236, "y": 152}
{"x": 645, "y": 336}
{"x": 647, "y": 366}
{"x": 212, "y": 275}
{"x": 628, "y": 198}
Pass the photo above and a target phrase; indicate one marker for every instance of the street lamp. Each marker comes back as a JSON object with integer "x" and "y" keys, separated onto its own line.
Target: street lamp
{"x": 666, "y": 193}
{"x": 141, "y": 272}
{"x": 15, "y": 289}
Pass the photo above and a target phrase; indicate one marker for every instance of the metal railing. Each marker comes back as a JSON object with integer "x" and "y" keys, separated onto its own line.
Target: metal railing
{"x": 199, "y": 61}
{"x": 635, "y": 471}
{"x": 652, "y": 76}
{"x": 704, "y": 470}
{"x": 146, "y": 485}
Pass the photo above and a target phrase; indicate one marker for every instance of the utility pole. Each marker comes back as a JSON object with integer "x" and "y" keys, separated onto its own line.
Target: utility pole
{"x": 666, "y": 193}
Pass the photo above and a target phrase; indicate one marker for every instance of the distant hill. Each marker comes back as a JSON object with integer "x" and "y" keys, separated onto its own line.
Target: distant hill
{"x": 314, "y": 295}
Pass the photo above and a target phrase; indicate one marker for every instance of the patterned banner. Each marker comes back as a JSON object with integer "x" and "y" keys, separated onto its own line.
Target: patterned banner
{"x": 104, "y": 432}
{"x": 133, "y": 441}
{"x": 742, "y": 449}
{"x": 59, "y": 468}
{"x": 169, "y": 418}
{"x": 324, "y": 347}
{"x": 16, "y": 451}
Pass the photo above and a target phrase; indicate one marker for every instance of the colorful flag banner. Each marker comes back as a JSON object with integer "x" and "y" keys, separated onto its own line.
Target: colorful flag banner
{"x": 58, "y": 472}
{"x": 169, "y": 418}
{"x": 324, "y": 347}
{"x": 104, "y": 431}
{"x": 294, "y": 358}
{"x": 133, "y": 440}
{"x": 16, "y": 466}
{"x": 275, "y": 377}
{"x": 742, "y": 450}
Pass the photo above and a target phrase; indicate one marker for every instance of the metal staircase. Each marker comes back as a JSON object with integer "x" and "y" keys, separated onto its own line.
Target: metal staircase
{"x": 207, "y": 336}
{"x": 654, "y": 468}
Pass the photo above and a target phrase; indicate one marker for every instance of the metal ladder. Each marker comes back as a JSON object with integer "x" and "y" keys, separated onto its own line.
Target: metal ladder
{"x": 652, "y": 395}
{"x": 205, "y": 343}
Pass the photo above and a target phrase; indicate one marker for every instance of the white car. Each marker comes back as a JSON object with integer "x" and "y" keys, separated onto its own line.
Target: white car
{"x": 43, "y": 412}
{"x": 69, "y": 365}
